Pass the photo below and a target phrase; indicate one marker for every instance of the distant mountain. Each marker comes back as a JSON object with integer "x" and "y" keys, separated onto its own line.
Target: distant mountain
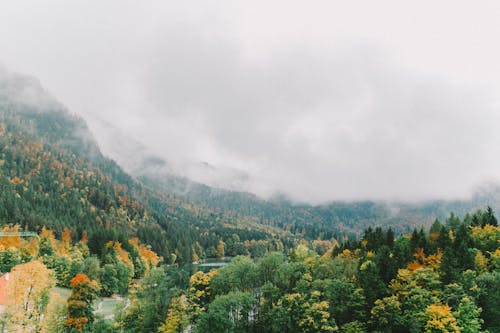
{"x": 138, "y": 160}
{"x": 324, "y": 219}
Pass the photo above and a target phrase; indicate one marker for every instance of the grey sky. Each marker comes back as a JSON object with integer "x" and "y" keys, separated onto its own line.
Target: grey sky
{"x": 321, "y": 100}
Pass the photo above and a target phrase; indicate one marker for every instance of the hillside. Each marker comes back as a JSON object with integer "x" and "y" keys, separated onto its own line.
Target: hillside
{"x": 53, "y": 174}
{"x": 312, "y": 221}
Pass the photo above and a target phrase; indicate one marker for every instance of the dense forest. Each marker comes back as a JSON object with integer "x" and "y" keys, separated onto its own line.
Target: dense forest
{"x": 446, "y": 279}
{"x": 108, "y": 252}
{"x": 443, "y": 280}
{"x": 312, "y": 221}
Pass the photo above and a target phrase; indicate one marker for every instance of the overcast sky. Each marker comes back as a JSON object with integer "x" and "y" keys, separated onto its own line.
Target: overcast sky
{"x": 321, "y": 100}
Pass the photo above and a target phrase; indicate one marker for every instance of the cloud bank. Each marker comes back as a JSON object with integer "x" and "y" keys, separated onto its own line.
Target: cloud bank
{"x": 320, "y": 102}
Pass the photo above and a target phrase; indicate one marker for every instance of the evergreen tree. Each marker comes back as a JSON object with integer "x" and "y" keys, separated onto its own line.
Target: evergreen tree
{"x": 386, "y": 263}
{"x": 489, "y": 218}
{"x": 369, "y": 279}
{"x": 390, "y": 238}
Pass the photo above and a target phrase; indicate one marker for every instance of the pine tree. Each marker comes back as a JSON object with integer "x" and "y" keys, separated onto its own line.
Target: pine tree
{"x": 489, "y": 218}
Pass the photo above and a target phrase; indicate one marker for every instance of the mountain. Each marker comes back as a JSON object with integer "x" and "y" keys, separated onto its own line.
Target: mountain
{"x": 53, "y": 173}
{"x": 138, "y": 160}
{"x": 323, "y": 220}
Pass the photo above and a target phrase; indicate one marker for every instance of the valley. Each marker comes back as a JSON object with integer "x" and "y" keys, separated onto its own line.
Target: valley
{"x": 154, "y": 251}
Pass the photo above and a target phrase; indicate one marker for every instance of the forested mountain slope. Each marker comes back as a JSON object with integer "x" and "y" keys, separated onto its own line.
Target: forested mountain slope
{"x": 53, "y": 174}
{"x": 313, "y": 221}
{"x": 310, "y": 220}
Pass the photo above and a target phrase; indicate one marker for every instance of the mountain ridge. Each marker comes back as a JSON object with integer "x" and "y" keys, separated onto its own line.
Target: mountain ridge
{"x": 182, "y": 219}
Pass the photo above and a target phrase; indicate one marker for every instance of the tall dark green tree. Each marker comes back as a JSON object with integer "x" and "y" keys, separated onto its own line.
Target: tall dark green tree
{"x": 371, "y": 283}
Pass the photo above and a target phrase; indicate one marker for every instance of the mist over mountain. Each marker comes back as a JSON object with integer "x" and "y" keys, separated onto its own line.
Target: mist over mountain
{"x": 327, "y": 104}
{"x": 264, "y": 166}
{"x": 219, "y": 188}
{"x": 25, "y": 91}
{"x": 138, "y": 160}
{"x": 233, "y": 196}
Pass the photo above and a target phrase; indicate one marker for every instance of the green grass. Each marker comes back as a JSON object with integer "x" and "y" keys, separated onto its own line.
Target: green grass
{"x": 108, "y": 304}
{"x": 63, "y": 292}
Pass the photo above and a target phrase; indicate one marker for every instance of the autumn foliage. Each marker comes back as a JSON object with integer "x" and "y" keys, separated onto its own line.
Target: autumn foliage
{"x": 84, "y": 291}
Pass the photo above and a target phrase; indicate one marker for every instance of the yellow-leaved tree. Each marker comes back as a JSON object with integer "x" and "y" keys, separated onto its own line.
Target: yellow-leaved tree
{"x": 440, "y": 319}
{"x": 177, "y": 316}
{"x": 28, "y": 289}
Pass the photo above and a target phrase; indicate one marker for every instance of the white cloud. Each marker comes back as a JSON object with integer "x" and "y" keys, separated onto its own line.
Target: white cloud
{"x": 321, "y": 101}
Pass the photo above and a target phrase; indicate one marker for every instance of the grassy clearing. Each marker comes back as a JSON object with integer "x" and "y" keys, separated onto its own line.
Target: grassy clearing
{"x": 107, "y": 307}
{"x": 63, "y": 292}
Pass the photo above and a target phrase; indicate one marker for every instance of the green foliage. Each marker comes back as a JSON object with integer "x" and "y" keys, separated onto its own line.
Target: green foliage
{"x": 150, "y": 304}
{"x": 489, "y": 299}
{"x": 467, "y": 315}
{"x": 387, "y": 315}
{"x": 8, "y": 259}
{"x": 268, "y": 266}
{"x": 369, "y": 279}
{"x": 240, "y": 275}
{"x": 347, "y": 301}
{"x": 421, "y": 283}
{"x": 228, "y": 313}
{"x": 101, "y": 326}
{"x": 354, "y": 327}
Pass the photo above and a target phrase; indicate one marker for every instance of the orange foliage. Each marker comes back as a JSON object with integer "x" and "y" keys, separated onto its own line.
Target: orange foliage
{"x": 11, "y": 241}
{"x": 65, "y": 241}
{"x": 419, "y": 255}
{"x": 32, "y": 246}
{"x": 77, "y": 323}
{"x": 46, "y": 233}
{"x": 422, "y": 261}
{"x": 83, "y": 293}
{"x": 123, "y": 254}
{"x": 414, "y": 266}
{"x": 85, "y": 237}
{"x": 347, "y": 254}
{"x": 66, "y": 236}
{"x": 78, "y": 280}
{"x": 56, "y": 165}
{"x": 434, "y": 236}
{"x": 16, "y": 180}
{"x": 434, "y": 260}
{"x": 49, "y": 234}
{"x": 28, "y": 283}
{"x": 149, "y": 256}
{"x": 36, "y": 145}
{"x": 68, "y": 182}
